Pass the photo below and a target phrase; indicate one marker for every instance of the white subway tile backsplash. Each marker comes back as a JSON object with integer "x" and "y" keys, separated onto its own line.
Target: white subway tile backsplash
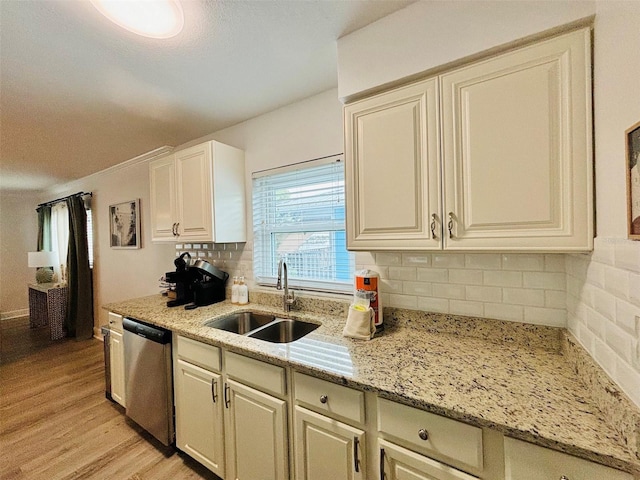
{"x": 546, "y": 280}
{"x": 522, "y": 262}
{"x": 416, "y": 260}
{"x": 619, "y": 340}
{"x": 627, "y": 255}
{"x": 483, "y": 294}
{"x": 445, "y": 290}
{"x": 616, "y": 281}
{"x": 436, "y": 275}
{"x": 390, "y": 286}
{"x": 403, "y": 301}
{"x": 605, "y": 356}
{"x": 634, "y": 288}
{"x": 466, "y": 276}
{"x": 604, "y": 250}
{"x": 450, "y": 260}
{"x": 523, "y": 296}
{"x": 605, "y": 303}
{"x": 387, "y": 258}
{"x": 553, "y": 317}
{"x": 417, "y": 288}
{"x": 629, "y": 380}
{"x": 430, "y": 304}
{"x": 484, "y": 261}
{"x": 464, "y": 307}
{"x": 586, "y": 337}
{"x": 501, "y": 311}
{"x": 402, "y": 273}
{"x": 595, "y": 274}
{"x": 555, "y": 299}
{"x": 502, "y": 279}
{"x": 595, "y": 322}
{"x": 555, "y": 263}
{"x": 626, "y": 315}
{"x": 367, "y": 258}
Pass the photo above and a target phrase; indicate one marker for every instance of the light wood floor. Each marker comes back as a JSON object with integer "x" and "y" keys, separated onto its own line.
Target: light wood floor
{"x": 55, "y": 422}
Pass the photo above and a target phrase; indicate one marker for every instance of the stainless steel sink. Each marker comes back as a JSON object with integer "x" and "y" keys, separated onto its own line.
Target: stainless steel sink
{"x": 284, "y": 330}
{"x": 241, "y": 322}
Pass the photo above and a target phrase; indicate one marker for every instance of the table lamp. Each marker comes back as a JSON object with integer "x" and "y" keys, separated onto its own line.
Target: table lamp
{"x": 44, "y": 262}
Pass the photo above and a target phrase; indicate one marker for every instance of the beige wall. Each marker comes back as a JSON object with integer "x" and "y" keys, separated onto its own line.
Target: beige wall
{"x": 18, "y": 235}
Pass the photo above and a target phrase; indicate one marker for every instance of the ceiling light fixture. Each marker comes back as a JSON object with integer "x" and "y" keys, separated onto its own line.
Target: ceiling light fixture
{"x": 149, "y": 18}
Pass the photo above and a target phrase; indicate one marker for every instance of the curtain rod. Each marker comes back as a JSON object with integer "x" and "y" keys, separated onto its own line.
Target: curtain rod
{"x": 62, "y": 199}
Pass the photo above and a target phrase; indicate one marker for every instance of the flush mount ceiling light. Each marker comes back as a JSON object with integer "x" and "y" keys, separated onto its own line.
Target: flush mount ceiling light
{"x": 149, "y": 18}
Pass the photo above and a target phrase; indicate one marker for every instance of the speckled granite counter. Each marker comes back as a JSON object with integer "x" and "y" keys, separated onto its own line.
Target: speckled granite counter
{"x": 519, "y": 379}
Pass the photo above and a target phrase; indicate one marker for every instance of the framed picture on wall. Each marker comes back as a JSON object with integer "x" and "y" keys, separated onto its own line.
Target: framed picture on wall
{"x": 124, "y": 224}
{"x": 633, "y": 181}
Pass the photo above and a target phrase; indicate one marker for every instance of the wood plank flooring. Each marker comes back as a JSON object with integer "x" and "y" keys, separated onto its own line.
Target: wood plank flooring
{"x": 56, "y": 424}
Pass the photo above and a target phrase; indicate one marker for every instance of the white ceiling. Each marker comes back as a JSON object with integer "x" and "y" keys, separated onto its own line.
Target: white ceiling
{"x": 79, "y": 94}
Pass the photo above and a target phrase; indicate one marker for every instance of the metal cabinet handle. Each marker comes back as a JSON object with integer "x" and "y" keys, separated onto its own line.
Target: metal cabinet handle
{"x": 423, "y": 434}
{"x": 323, "y": 399}
{"x": 214, "y": 389}
{"x": 227, "y": 400}
{"x": 177, "y": 229}
{"x": 433, "y": 226}
{"x": 173, "y": 230}
{"x": 382, "y": 464}
{"x": 450, "y": 225}
{"x": 356, "y": 461}
{"x": 563, "y": 477}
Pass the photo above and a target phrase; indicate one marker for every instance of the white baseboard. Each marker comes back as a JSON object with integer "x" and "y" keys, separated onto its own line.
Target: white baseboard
{"x": 14, "y": 314}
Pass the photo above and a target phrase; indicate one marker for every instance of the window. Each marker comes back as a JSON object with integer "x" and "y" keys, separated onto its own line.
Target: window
{"x": 298, "y": 216}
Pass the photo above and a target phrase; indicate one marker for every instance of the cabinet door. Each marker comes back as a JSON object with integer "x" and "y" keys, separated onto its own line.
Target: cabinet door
{"x": 517, "y": 149}
{"x": 256, "y": 434}
{"x": 195, "y": 196}
{"x": 116, "y": 364}
{"x": 162, "y": 184}
{"x": 392, "y": 170}
{"x": 199, "y": 415}
{"x": 524, "y": 461}
{"x": 401, "y": 464}
{"x": 326, "y": 448}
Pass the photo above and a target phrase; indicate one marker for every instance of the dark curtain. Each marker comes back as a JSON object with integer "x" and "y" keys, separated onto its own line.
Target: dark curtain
{"x": 79, "y": 321}
{"x": 44, "y": 228}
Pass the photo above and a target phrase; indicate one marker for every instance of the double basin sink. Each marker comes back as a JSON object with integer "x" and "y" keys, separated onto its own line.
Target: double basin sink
{"x": 263, "y": 326}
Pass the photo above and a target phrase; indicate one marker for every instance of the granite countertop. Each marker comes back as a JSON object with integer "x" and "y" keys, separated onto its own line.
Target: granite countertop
{"x": 512, "y": 378}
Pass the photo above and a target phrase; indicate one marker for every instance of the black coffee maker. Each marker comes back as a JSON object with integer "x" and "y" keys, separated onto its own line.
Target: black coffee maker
{"x": 197, "y": 283}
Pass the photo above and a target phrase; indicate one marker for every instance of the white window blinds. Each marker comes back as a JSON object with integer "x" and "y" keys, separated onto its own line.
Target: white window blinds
{"x": 298, "y": 216}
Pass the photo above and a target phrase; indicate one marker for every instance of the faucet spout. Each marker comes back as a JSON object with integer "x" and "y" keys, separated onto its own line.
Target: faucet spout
{"x": 283, "y": 284}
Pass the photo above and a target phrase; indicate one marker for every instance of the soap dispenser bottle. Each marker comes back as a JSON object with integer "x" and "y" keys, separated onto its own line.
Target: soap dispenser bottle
{"x": 243, "y": 292}
{"x": 235, "y": 291}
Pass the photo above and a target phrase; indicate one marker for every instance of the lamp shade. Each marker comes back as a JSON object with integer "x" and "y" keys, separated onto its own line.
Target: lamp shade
{"x": 42, "y": 259}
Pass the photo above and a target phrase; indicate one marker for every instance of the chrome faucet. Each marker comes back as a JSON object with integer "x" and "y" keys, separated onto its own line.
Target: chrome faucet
{"x": 288, "y": 298}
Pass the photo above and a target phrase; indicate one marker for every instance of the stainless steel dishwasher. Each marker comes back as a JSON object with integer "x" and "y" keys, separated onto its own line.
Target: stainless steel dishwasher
{"x": 148, "y": 378}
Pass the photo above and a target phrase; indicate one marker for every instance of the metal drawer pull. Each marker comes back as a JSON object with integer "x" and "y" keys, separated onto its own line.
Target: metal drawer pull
{"x": 382, "y": 464}
{"x": 177, "y": 232}
{"x": 323, "y": 399}
{"x": 423, "y": 434}
{"x": 450, "y": 225}
{"x": 356, "y": 461}
{"x": 214, "y": 388}
{"x": 433, "y": 226}
{"x": 227, "y": 400}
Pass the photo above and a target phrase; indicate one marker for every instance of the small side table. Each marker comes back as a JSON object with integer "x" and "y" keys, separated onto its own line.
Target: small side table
{"x": 48, "y": 306}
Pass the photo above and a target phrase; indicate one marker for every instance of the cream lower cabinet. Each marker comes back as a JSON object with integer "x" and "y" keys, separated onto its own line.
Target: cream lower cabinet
{"x": 514, "y": 167}
{"x": 257, "y": 437}
{"x": 524, "y": 461}
{"x": 326, "y": 448}
{"x": 199, "y": 403}
{"x": 116, "y": 359}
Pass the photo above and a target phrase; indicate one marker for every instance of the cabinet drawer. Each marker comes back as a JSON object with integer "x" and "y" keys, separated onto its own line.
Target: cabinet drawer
{"x": 443, "y": 436}
{"x": 524, "y": 461}
{"x": 115, "y": 322}
{"x": 329, "y": 398}
{"x": 198, "y": 353}
{"x": 266, "y": 377}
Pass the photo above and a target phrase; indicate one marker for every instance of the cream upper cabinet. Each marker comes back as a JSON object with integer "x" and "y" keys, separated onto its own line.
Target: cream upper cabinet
{"x": 495, "y": 155}
{"x": 208, "y": 185}
{"x": 392, "y": 170}
{"x": 162, "y": 185}
{"x": 517, "y": 149}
